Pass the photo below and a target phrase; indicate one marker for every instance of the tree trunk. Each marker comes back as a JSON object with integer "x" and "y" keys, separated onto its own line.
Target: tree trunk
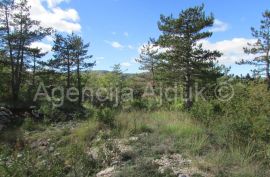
{"x": 34, "y": 72}
{"x": 13, "y": 90}
{"x": 153, "y": 77}
{"x": 68, "y": 71}
{"x": 188, "y": 92}
{"x": 267, "y": 70}
{"x": 79, "y": 82}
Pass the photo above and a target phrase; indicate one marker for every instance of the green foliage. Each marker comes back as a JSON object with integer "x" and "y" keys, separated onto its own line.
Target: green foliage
{"x": 79, "y": 163}
{"x": 138, "y": 104}
{"x": 106, "y": 116}
{"x": 86, "y": 132}
{"x": 144, "y": 104}
{"x": 249, "y": 113}
{"x": 30, "y": 125}
{"x": 11, "y": 137}
{"x": 52, "y": 114}
{"x": 203, "y": 111}
{"x": 260, "y": 48}
{"x": 181, "y": 36}
{"x": 17, "y": 34}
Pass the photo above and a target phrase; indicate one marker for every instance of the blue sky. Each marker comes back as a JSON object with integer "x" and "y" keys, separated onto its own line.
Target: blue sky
{"x": 117, "y": 28}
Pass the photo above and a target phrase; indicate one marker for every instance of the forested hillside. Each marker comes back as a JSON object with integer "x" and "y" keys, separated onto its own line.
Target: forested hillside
{"x": 183, "y": 115}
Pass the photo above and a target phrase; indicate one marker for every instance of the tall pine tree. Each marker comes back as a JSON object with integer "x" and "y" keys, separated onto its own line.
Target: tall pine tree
{"x": 261, "y": 48}
{"x": 186, "y": 60}
{"x": 81, "y": 59}
{"x": 35, "y": 54}
{"x": 149, "y": 60}
{"x": 17, "y": 32}
{"x": 62, "y": 58}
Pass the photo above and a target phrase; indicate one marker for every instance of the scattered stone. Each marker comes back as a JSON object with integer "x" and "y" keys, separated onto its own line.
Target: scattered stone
{"x": 19, "y": 155}
{"x": 57, "y": 154}
{"x": 133, "y": 139}
{"x": 181, "y": 167}
{"x": 109, "y": 172}
{"x": 51, "y": 149}
{"x": 115, "y": 163}
{"x": 93, "y": 152}
{"x": 122, "y": 146}
{"x": 142, "y": 135}
{"x": 34, "y": 145}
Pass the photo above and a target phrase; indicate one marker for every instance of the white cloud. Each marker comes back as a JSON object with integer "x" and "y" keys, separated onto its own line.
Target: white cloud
{"x": 219, "y": 26}
{"x": 45, "y": 47}
{"x": 126, "y": 34}
{"x": 232, "y": 49}
{"x": 126, "y": 64}
{"x": 130, "y": 47}
{"x": 49, "y": 38}
{"x": 53, "y": 3}
{"x": 115, "y": 44}
{"x": 63, "y": 20}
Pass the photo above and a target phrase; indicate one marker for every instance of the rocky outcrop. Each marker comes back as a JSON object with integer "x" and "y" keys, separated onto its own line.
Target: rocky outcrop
{"x": 178, "y": 165}
{"x": 5, "y": 117}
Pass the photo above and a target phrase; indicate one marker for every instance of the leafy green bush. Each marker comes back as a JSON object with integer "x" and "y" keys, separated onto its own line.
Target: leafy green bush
{"x": 248, "y": 113}
{"x": 29, "y": 124}
{"x": 52, "y": 114}
{"x": 106, "y": 116}
{"x": 138, "y": 104}
{"x": 147, "y": 104}
{"x": 86, "y": 132}
{"x": 203, "y": 111}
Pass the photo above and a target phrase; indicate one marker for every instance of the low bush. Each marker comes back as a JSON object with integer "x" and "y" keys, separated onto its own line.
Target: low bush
{"x": 203, "y": 111}
{"x": 29, "y": 124}
{"x": 86, "y": 132}
{"x": 106, "y": 116}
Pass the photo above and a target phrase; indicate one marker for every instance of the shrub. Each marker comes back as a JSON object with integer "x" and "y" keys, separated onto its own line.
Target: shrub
{"x": 138, "y": 104}
{"x": 30, "y": 125}
{"x": 11, "y": 137}
{"x": 106, "y": 116}
{"x": 178, "y": 105}
{"x": 203, "y": 111}
{"x": 86, "y": 132}
{"x": 52, "y": 114}
{"x": 248, "y": 113}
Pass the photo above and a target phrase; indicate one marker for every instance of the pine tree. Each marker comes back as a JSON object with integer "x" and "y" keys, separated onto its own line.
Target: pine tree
{"x": 261, "y": 49}
{"x": 35, "y": 54}
{"x": 149, "y": 60}
{"x": 71, "y": 54}
{"x": 62, "y": 57}
{"x": 18, "y": 31}
{"x": 186, "y": 60}
{"x": 81, "y": 59}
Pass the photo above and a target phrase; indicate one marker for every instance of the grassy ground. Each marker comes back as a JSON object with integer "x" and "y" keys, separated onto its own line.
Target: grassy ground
{"x": 131, "y": 145}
